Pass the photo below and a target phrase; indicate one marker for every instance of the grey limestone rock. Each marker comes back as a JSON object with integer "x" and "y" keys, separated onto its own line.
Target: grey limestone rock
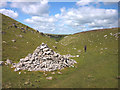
{"x": 44, "y": 59}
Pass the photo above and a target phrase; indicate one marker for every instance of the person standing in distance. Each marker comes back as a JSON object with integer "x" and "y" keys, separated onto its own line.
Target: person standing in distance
{"x": 85, "y": 48}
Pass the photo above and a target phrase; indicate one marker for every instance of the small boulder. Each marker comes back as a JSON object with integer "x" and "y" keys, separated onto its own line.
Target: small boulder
{"x": 105, "y": 35}
{"x": 1, "y": 62}
{"x": 74, "y": 48}
{"x": 19, "y": 72}
{"x": 49, "y": 78}
{"x": 45, "y": 74}
{"x": 55, "y": 47}
{"x": 24, "y": 72}
{"x": 26, "y": 83}
{"x": 17, "y": 69}
{"x": 8, "y": 61}
{"x": 4, "y": 42}
{"x": 20, "y": 35}
{"x": 77, "y": 55}
{"x": 79, "y": 50}
{"x": 118, "y": 77}
{"x": 59, "y": 73}
{"x": 53, "y": 73}
{"x": 13, "y": 40}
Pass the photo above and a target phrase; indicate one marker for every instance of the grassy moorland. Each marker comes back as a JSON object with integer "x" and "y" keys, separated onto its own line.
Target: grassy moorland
{"x": 97, "y": 68}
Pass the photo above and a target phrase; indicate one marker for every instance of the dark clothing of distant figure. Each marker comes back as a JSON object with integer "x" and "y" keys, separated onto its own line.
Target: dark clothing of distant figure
{"x": 85, "y": 48}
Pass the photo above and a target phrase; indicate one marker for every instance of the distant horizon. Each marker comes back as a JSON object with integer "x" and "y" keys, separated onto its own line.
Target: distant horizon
{"x": 63, "y": 18}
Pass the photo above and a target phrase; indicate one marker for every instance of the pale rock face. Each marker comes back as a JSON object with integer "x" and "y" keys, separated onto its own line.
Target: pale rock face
{"x": 1, "y": 62}
{"x": 44, "y": 59}
{"x": 8, "y": 61}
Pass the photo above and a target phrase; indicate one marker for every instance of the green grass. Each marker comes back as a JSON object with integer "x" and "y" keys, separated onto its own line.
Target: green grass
{"x": 95, "y": 69}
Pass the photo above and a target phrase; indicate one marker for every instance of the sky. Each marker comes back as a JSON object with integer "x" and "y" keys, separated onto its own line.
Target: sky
{"x": 63, "y": 17}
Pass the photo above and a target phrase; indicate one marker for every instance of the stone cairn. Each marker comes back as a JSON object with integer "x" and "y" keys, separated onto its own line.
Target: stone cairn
{"x": 43, "y": 59}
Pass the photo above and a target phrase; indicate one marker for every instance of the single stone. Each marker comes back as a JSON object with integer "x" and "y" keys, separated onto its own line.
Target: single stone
{"x": 8, "y": 61}
{"x": 59, "y": 73}
{"x": 118, "y": 77}
{"x": 26, "y": 83}
{"x": 1, "y": 62}
{"x": 19, "y": 72}
{"x": 53, "y": 73}
{"x": 77, "y": 55}
{"x": 17, "y": 69}
{"x": 4, "y": 42}
{"x": 20, "y": 36}
{"x": 79, "y": 50}
{"x": 13, "y": 40}
{"x": 24, "y": 72}
{"x": 49, "y": 78}
{"x": 55, "y": 47}
{"x": 105, "y": 35}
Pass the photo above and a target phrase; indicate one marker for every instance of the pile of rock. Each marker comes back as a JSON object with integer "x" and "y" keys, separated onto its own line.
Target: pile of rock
{"x": 43, "y": 59}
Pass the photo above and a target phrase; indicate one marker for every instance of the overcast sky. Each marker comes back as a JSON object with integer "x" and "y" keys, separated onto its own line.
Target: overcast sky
{"x": 63, "y": 17}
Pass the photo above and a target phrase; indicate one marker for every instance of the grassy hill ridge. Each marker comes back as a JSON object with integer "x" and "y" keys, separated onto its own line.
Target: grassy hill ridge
{"x": 26, "y": 40}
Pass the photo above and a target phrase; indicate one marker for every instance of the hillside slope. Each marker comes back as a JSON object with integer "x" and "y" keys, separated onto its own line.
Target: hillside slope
{"x": 99, "y": 64}
{"x": 97, "y": 68}
{"x": 18, "y": 42}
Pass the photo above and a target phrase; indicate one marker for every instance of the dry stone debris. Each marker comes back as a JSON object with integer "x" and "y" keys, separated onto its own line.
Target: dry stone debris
{"x": 111, "y": 34}
{"x": 13, "y": 40}
{"x": 55, "y": 47}
{"x": 106, "y": 48}
{"x": 118, "y": 77}
{"x": 53, "y": 73}
{"x": 20, "y": 35}
{"x": 74, "y": 48}
{"x": 79, "y": 50}
{"x": 49, "y": 78}
{"x": 19, "y": 72}
{"x": 68, "y": 56}
{"x": 4, "y": 42}
{"x": 59, "y": 73}
{"x": 65, "y": 36}
{"x": 8, "y": 62}
{"x": 1, "y": 62}
{"x": 43, "y": 59}
{"x": 105, "y": 35}
{"x": 77, "y": 55}
{"x": 26, "y": 83}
